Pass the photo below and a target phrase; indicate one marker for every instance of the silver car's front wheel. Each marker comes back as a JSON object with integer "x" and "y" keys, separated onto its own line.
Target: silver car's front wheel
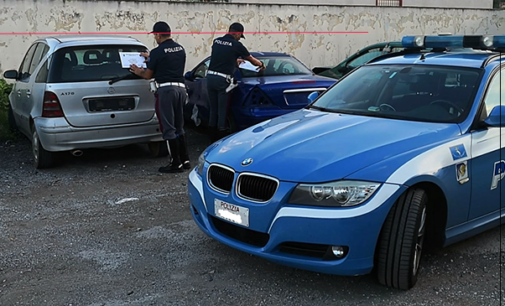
{"x": 41, "y": 157}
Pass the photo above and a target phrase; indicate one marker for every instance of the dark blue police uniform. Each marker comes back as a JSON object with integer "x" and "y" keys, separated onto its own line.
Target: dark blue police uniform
{"x": 225, "y": 52}
{"x": 168, "y": 62}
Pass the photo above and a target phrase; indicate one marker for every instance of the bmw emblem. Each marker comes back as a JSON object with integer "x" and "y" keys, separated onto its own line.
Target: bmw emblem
{"x": 247, "y": 162}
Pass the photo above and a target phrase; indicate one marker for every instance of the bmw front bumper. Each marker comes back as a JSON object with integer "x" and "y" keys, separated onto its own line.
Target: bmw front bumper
{"x": 294, "y": 227}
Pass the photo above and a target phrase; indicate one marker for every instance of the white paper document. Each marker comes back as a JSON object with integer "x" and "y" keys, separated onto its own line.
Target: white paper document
{"x": 128, "y": 58}
{"x": 248, "y": 66}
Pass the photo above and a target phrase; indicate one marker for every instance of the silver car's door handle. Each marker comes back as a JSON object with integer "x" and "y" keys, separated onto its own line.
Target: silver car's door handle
{"x": 28, "y": 93}
{"x": 19, "y": 92}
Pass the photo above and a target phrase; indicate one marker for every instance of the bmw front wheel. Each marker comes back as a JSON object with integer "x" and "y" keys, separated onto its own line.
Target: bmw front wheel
{"x": 401, "y": 241}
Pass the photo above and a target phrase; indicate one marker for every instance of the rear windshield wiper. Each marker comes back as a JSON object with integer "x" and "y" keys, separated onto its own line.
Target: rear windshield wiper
{"x": 124, "y": 77}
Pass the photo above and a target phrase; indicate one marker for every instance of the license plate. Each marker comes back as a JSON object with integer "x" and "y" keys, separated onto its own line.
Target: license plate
{"x": 111, "y": 104}
{"x": 232, "y": 213}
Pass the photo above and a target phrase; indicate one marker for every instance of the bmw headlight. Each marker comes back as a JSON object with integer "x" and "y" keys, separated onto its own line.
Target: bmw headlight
{"x": 201, "y": 162}
{"x": 334, "y": 194}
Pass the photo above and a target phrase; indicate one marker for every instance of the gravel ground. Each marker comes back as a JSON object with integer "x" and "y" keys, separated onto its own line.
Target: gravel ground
{"x": 108, "y": 229}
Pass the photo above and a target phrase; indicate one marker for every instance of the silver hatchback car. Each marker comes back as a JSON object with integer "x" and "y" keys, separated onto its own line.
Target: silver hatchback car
{"x": 71, "y": 93}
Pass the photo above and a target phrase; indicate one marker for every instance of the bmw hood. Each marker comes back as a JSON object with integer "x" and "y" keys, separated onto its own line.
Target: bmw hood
{"x": 314, "y": 146}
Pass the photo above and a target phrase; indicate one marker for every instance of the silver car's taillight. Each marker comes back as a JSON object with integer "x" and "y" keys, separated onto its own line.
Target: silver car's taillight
{"x": 51, "y": 106}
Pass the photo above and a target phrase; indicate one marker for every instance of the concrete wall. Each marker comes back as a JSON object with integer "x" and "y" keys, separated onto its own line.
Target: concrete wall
{"x": 381, "y": 23}
{"x": 479, "y": 4}
{"x": 311, "y": 2}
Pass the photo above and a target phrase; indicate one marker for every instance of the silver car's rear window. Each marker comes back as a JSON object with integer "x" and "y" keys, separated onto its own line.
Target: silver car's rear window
{"x": 89, "y": 63}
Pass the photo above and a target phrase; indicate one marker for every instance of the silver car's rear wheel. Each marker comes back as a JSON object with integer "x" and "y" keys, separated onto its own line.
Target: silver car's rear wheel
{"x": 41, "y": 157}
{"x": 158, "y": 148}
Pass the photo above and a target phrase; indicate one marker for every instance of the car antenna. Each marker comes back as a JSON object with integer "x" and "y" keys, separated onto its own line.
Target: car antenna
{"x": 422, "y": 58}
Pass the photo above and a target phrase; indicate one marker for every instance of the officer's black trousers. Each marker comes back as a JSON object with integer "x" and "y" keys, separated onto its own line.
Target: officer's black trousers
{"x": 169, "y": 109}
{"x": 218, "y": 99}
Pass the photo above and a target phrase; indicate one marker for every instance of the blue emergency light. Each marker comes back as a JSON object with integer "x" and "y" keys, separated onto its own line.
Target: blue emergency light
{"x": 484, "y": 42}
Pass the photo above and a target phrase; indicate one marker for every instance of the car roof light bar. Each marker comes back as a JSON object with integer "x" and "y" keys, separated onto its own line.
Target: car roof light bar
{"x": 484, "y": 42}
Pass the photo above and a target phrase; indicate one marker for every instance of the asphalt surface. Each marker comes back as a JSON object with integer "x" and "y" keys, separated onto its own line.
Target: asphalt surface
{"x": 108, "y": 229}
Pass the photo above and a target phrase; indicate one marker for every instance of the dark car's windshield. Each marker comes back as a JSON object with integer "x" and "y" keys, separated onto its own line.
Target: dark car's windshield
{"x": 276, "y": 66}
{"x": 409, "y": 92}
{"x": 89, "y": 63}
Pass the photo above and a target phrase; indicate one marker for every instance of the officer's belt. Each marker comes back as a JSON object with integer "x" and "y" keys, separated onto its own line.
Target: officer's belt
{"x": 172, "y": 84}
{"x": 226, "y": 76}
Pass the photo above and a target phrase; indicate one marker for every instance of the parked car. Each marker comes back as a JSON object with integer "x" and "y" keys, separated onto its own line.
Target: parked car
{"x": 359, "y": 58}
{"x": 71, "y": 93}
{"x": 402, "y": 153}
{"x": 281, "y": 88}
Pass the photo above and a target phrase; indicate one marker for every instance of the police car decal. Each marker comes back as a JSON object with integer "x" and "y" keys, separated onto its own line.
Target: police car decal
{"x": 458, "y": 152}
{"x": 498, "y": 173}
{"x": 462, "y": 172}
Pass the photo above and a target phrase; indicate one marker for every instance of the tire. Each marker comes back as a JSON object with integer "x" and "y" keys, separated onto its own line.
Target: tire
{"x": 401, "y": 241}
{"x": 158, "y": 148}
{"x": 42, "y": 158}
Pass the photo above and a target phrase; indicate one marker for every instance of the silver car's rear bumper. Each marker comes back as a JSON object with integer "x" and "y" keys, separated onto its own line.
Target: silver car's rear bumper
{"x": 57, "y": 135}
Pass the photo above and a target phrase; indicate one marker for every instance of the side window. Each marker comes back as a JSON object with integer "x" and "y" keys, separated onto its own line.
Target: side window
{"x": 42, "y": 75}
{"x": 25, "y": 65}
{"x": 201, "y": 71}
{"x": 39, "y": 53}
{"x": 496, "y": 92}
{"x": 370, "y": 55}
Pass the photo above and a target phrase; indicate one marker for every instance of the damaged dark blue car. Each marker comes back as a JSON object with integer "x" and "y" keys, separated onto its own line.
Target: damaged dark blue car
{"x": 281, "y": 88}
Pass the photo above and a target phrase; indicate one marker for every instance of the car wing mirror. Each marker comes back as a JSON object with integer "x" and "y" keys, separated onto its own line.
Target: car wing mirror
{"x": 189, "y": 76}
{"x": 11, "y": 74}
{"x": 318, "y": 70}
{"x": 497, "y": 117}
{"x": 342, "y": 69}
{"x": 312, "y": 96}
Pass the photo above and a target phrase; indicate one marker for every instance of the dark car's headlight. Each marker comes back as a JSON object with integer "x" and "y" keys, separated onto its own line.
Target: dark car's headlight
{"x": 201, "y": 162}
{"x": 334, "y": 194}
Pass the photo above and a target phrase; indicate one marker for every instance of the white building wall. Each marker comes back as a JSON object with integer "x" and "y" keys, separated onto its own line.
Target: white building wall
{"x": 478, "y": 4}
{"x": 270, "y": 23}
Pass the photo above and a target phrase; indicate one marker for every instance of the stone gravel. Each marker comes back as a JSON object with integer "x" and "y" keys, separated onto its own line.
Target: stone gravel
{"x": 106, "y": 229}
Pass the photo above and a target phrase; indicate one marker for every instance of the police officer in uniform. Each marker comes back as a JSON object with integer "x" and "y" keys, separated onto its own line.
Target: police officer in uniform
{"x": 227, "y": 53}
{"x": 165, "y": 64}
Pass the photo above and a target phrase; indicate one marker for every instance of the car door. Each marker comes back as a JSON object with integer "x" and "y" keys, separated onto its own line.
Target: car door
{"x": 36, "y": 87}
{"x": 21, "y": 91}
{"x": 196, "y": 82}
{"x": 488, "y": 163}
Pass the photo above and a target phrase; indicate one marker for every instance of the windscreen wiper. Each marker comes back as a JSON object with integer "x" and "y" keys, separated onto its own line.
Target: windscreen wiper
{"x": 324, "y": 109}
{"x": 114, "y": 80}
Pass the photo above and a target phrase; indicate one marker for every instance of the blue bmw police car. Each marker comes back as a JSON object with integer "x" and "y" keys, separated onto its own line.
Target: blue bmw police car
{"x": 401, "y": 152}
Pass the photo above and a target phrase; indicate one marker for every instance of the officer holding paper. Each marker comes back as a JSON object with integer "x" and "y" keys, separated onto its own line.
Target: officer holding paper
{"x": 227, "y": 53}
{"x": 165, "y": 64}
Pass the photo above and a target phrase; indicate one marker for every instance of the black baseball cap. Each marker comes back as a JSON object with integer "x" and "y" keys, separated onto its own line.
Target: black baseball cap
{"x": 237, "y": 28}
{"x": 161, "y": 27}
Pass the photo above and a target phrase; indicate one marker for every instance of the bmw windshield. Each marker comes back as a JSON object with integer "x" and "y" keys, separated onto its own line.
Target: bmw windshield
{"x": 407, "y": 92}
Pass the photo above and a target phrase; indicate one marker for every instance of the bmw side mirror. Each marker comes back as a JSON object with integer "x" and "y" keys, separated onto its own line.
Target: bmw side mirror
{"x": 497, "y": 117}
{"x": 11, "y": 74}
{"x": 189, "y": 76}
{"x": 313, "y": 95}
